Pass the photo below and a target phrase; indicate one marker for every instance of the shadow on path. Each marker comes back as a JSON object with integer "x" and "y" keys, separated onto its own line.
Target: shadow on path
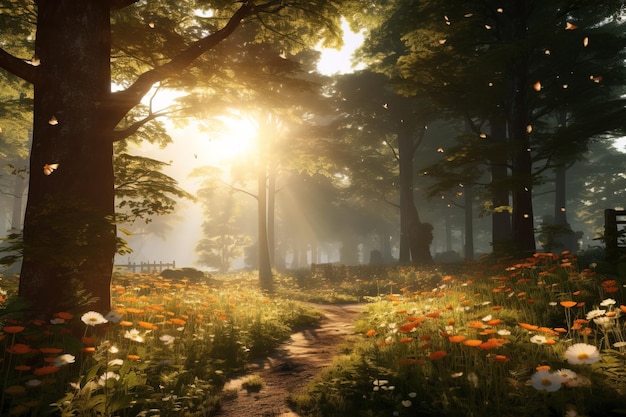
{"x": 291, "y": 366}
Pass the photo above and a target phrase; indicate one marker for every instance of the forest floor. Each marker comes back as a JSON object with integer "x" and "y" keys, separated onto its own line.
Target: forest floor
{"x": 290, "y": 367}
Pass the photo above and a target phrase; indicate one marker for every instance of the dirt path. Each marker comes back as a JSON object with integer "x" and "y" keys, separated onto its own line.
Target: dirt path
{"x": 291, "y": 366}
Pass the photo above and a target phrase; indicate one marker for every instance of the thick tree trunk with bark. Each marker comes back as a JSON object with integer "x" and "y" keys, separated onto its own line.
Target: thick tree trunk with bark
{"x": 501, "y": 234}
{"x": 521, "y": 171}
{"x": 522, "y": 222}
{"x": 415, "y": 236}
{"x": 69, "y": 233}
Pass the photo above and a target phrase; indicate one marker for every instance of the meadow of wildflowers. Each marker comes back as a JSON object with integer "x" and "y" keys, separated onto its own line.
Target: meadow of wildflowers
{"x": 542, "y": 337}
{"x": 164, "y": 350}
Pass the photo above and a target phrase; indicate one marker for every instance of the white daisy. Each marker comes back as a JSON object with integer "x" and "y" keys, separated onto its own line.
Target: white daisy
{"x": 93, "y": 318}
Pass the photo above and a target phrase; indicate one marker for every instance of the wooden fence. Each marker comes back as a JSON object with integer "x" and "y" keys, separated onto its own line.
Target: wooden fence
{"x": 147, "y": 266}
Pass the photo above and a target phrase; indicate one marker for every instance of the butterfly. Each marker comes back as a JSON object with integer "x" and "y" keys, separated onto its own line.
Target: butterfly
{"x": 49, "y": 168}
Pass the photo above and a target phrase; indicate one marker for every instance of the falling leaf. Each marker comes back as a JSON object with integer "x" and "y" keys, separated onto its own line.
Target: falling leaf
{"x": 537, "y": 86}
{"x": 442, "y": 41}
{"x": 440, "y": 150}
{"x": 35, "y": 61}
{"x": 586, "y": 41}
{"x": 53, "y": 121}
{"x": 385, "y": 106}
{"x": 151, "y": 25}
{"x": 570, "y": 26}
{"x": 499, "y": 10}
{"x": 490, "y": 84}
{"x": 529, "y": 129}
{"x": 596, "y": 79}
{"x": 488, "y": 27}
{"x": 526, "y": 215}
{"x": 547, "y": 52}
{"x": 483, "y": 135}
{"x": 565, "y": 85}
{"x": 468, "y": 15}
{"x": 49, "y": 168}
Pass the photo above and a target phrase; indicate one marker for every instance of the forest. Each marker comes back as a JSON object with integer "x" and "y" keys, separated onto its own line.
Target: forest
{"x": 462, "y": 133}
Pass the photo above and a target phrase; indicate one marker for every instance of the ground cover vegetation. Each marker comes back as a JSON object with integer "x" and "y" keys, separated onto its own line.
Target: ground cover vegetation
{"x": 542, "y": 336}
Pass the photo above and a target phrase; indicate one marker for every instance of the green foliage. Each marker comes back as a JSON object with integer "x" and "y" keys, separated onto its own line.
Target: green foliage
{"x": 142, "y": 190}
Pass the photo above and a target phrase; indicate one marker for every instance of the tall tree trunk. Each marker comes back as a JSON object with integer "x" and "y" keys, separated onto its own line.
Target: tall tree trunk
{"x": 18, "y": 201}
{"x": 501, "y": 233}
{"x": 414, "y": 235}
{"x": 521, "y": 171}
{"x": 69, "y": 231}
{"x": 271, "y": 214}
{"x": 265, "y": 267}
{"x": 518, "y": 120}
{"x": 469, "y": 221}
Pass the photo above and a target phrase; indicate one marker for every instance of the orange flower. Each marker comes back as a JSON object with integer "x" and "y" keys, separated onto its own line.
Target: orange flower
{"x": 457, "y": 338}
{"x": 472, "y": 342}
{"x": 438, "y": 354}
{"x": 476, "y": 324}
{"x": 89, "y": 340}
{"x": 543, "y": 368}
{"x": 568, "y": 304}
{"x": 22, "y": 368}
{"x": 494, "y": 322}
{"x": 609, "y": 283}
{"x": 425, "y": 337}
{"x": 623, "y": 308}
{"x": 500, "y": 358}
{"x": 405, "y": 328}
{"x": 488, "y": 345}
{"x": 527, "y": 326}
{"x": 610, "y": 289}
{"x": 13, "y": 329}
{"x": 125, "y": 323}
{"x": 89, "y": 349}
{"x": 46, "y": 370}
{"x": 178, "y": 322}
{"x": 64, "y": 315}
{"x": 19, "y": 349}
{"x": 147, "y": 325}
{"x": 370, "y": 333}
{"x": 496, "y": 308}
{"x": 406, "y": 340}
{"x": 133, "y": 357}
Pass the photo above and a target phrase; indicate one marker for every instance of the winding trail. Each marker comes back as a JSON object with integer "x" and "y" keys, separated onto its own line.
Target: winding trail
{"x": 291, "y": 366}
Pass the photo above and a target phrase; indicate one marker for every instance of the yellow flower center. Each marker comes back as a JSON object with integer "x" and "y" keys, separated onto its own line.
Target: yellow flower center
{"x": 582, "y": 356}
{"x": 546, "y": 382}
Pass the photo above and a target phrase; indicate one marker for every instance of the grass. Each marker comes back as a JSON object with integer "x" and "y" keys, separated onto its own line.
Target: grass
{"x": 490, "y": 338}
{"x": 253, "y": 383}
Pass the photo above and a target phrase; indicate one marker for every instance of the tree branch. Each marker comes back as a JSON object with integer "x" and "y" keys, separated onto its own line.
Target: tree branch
{"x": 122, "y": 101}
{"x": 18, "y": 67}
{"x": 119, "y": 135}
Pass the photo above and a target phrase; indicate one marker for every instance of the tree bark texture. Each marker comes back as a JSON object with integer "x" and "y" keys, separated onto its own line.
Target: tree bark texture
{"x": 69, "y": 232}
